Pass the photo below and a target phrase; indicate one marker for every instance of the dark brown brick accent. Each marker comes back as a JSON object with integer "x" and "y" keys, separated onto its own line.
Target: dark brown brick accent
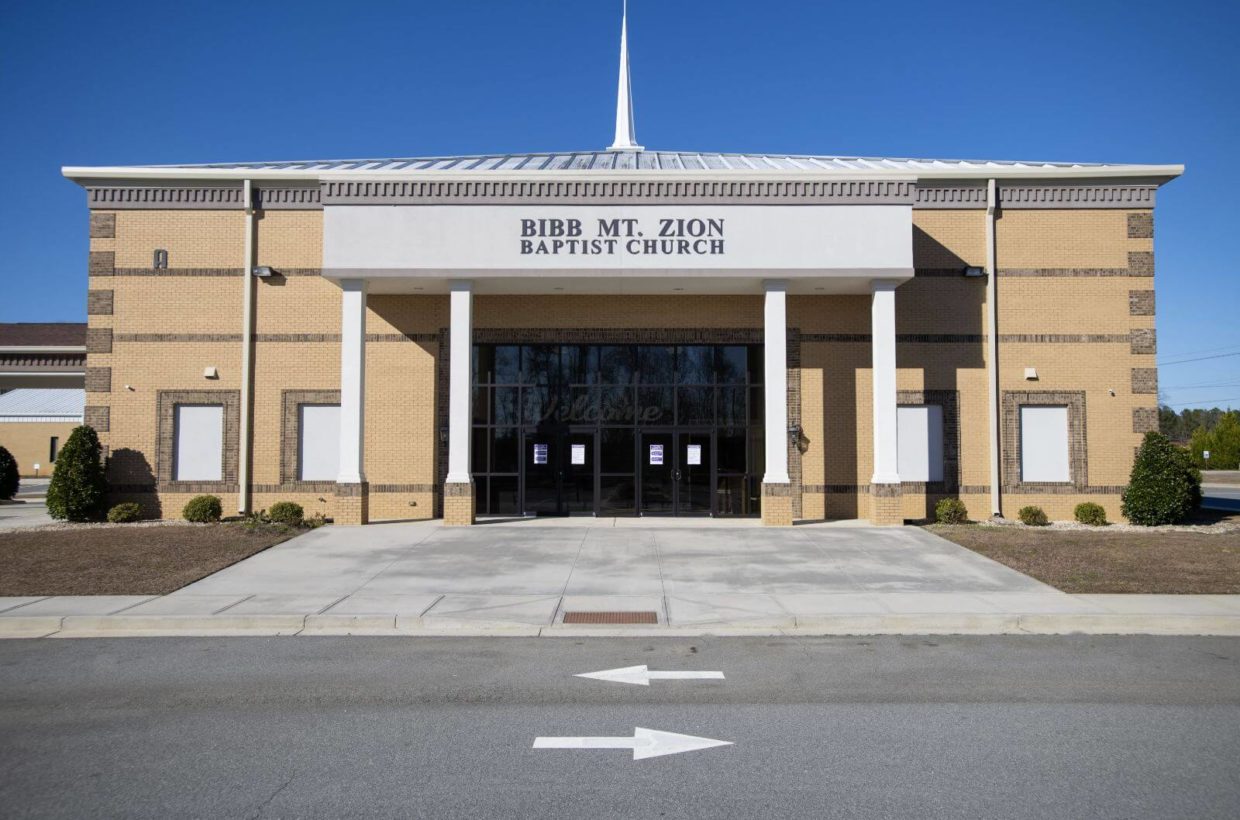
{"x": 357, "y": 490}
{"x": 101, "y": 263}
{"x": 1145, "y": 380}
{"x": 776, "y": 490}
{"x": 1140, "y": 303}
{"x": 886, "y": 490}
{"x": 1078, "y": 464}
{"x": 99, "y": 302}
{"x": 98, "y": 340}
{"x": 98, "y": 380}
{"x": 103, "y": 226}
{"x": 1144, "y": 340}
{"x": 1144, "y": 419}
{"x": 167, "y": 401}
{"x": 290, "y": 435}
{"x": 1141, "y": 225}
{"x": 457, "y": 489}
{"x": 98, "y": 416}
{"x": 1141, "y": 263}
{"x": 1066, "y": 272}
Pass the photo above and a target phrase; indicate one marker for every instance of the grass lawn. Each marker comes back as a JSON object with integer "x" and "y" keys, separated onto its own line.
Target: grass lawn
{"x": 1089, "y": 561}
{"x": 123, "y": 560}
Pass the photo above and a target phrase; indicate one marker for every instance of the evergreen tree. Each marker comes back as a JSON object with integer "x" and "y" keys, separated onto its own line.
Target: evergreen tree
{"x": 9, "y": 477}
{"x": 78, "y": 489}
{"x": 1164, "y": 487}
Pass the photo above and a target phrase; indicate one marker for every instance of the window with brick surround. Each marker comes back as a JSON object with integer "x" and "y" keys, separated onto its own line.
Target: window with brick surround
{"x": 198, "y": 449}
{"x": 1044, "y": 451}
{"x": 318, "y": 446}
{"x": 920, "y": 442}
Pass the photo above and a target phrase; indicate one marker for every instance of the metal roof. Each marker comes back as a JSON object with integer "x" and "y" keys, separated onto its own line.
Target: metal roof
{"x": 66, "y": 402}
{"x": 637, "y": 160}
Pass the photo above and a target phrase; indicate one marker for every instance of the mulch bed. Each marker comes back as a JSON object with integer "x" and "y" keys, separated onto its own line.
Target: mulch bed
{"x": 125, "y": 560}
{"x": 1094, "y": 561}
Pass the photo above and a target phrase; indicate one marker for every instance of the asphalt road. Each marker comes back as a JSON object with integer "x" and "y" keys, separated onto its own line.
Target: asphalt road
{"x": 1010, "y": 727}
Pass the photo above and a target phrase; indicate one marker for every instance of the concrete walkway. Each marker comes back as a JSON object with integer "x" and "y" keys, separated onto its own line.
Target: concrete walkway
{"x": 696, "y": 577}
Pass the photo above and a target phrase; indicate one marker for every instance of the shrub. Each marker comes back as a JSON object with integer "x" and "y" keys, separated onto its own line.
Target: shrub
{"x": 203, "y": 509}
{"x": 125, "y": 513}
{"x": 1090, "y": 513}
{"x": 951, "y": 511}
{"x": 1164, "y": 486}
{"x": 78, "y": 489}
{"x": 1032, "y": 516}
{"x": 286, "y": 512}
{"x": 9, "y": 478}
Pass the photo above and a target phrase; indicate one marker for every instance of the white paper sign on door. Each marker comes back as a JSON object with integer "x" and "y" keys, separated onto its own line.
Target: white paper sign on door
{"x": 579, "y": 454}
{"x": 656, "y": 454}
{"x": 540, "y": 454}
{"x": 694, "y": 455}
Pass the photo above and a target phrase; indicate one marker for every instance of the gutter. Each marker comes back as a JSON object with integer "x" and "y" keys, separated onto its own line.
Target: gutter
{"x": 992, "y": 345}
{"x": 247, "y": 355}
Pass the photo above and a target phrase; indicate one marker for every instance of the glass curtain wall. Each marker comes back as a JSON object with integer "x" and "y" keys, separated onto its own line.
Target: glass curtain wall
{"x": 525, "y": 391}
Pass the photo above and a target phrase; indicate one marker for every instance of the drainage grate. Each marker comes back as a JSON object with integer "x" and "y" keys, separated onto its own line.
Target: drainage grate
{"x": 611, "y": 617}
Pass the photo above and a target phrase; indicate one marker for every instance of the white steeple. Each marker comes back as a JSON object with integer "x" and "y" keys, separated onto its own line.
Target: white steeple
{"x": 626, "y": 134}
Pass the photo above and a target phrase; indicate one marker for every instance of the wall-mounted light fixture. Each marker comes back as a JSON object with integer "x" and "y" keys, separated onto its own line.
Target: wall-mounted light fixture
{"x": 1031, "y": 374}
{"x": 210, "y": 373}
{"x": 974, "y": 272}
{"x": 161, "y": 259}
{"x": 264, "y": 272}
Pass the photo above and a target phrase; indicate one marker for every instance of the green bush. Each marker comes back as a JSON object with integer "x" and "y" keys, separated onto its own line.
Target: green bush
{"x": 203, "y": 509}
{"x": 1164, "y": 487}
{"x": 1032, "y": 516}
{"x": 1090, "y": 513}
{"x": 286, "y": 512}
{"x": 9, "y": 478}
{"x": 78, "y": 489}
{"x": 951, "y": 511}
{"x": 125, "y": 513}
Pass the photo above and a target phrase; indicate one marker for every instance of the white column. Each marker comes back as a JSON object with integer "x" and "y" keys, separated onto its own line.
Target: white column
{"x": 460, "y": 365}
{"x": 352, "y": 381}
{"x": 775, "y": 381}
{"x": 883, "y": 330}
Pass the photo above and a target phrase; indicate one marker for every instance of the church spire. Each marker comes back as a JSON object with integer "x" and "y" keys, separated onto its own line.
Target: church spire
{"x": 626, "y": 134}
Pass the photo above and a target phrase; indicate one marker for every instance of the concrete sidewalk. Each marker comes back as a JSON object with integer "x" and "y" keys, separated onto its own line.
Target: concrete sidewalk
{"x": 691, "y": 578}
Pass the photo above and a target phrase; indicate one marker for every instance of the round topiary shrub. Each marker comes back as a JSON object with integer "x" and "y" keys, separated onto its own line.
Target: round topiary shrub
{"x": 125, "y": 513}
{"x": 78, "y": 489}
{"x": 287, "y": 512}
{"x": 1164, "y": 487}
{"x": 1091, "y": 514}
{"x": 203, "y": 509}
{"x": 951, "y": 511}
{"x": 1033, "y": 517}
{"x": 9, "y": 478}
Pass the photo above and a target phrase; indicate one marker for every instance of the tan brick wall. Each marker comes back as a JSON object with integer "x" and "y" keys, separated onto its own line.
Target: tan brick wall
{"x": 29, "y": 442}
{"x": 297, "y": 320}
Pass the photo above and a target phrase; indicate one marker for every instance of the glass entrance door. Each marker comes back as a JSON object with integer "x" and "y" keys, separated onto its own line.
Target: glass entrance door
{"x": 676, "y": 472}
{"x": 694, "y": 488}
{"x": 559, "y": 472}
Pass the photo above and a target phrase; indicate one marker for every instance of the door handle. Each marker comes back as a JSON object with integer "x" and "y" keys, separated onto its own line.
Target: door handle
{"x": 675, "y": 475}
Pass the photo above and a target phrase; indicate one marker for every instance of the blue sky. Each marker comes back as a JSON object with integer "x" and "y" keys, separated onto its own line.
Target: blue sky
{"x": 88, "y": 83}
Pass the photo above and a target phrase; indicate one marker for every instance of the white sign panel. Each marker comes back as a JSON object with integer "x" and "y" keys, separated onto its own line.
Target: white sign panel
{"x": 694, "y": 455}
{"x": 851, "y": 239}
{"x": 540, "y": 454}
{"x": 579, "y": 454}
{"x": 656, "y": 454}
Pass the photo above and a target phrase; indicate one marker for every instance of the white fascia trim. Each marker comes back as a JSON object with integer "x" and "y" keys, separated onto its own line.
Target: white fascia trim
{"x": 42, "y": 348}
{"x": 41, "y": 419}
{"x": 24, "y": 373}
{"x": 79, "y": 174}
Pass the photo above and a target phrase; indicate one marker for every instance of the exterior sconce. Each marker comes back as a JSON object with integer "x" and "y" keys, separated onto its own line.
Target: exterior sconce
{"x": 973, "y": 272}
{"x": 796, "y": 437}
{"x": 264, "y": 272}
{"x": 161, "y": 259}
{"x": 210, "y": 373}
{"x": 1031, "y": 374}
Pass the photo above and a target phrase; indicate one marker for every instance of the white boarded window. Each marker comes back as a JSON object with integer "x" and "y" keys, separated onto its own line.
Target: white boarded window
{"x": 199, "y": 451}
{"x": 1044, "y": 444}
{"x": 318, "y": 450}
{"x": 920, "y": 442}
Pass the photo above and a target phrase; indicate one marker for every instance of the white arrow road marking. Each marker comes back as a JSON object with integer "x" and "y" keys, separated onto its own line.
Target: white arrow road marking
{"x": 644, "y": 743}
{"x": 641, "y": 676}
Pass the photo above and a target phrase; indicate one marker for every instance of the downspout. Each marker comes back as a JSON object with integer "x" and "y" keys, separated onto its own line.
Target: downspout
{"x": 247, "y": 355}
{"x": 992, "y": 346}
